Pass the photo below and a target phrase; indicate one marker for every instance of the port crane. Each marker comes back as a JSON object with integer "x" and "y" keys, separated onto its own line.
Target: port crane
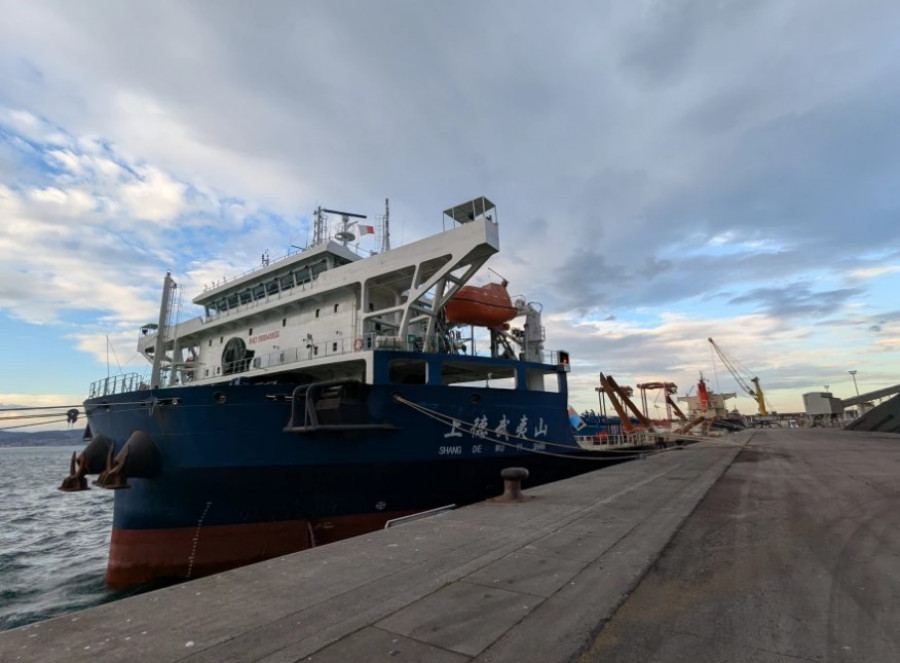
{"x": 755, "y": 392}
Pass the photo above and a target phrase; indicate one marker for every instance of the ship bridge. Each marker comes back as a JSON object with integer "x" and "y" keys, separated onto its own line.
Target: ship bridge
{"x": 319, "y": 312}
{"x": 283, "y": 275}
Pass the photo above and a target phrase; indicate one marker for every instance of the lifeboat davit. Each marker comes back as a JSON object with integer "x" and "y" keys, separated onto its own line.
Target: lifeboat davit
{"x": 484, "y": 306}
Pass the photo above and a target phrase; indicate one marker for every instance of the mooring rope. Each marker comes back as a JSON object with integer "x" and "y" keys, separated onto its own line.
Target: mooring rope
{"x": 34, "y": 416}
{"x": 34, "y": 423}
{"x": 39, "y": 407}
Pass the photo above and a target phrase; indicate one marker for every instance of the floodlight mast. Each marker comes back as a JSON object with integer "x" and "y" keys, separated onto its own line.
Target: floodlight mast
{"x": 755, "y": 392}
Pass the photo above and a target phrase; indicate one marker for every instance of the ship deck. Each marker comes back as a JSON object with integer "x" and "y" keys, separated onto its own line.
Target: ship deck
{"x": 768, "y": 545}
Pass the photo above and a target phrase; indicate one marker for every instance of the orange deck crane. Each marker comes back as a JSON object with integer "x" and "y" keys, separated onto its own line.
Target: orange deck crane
{"x": 668, "y": 387}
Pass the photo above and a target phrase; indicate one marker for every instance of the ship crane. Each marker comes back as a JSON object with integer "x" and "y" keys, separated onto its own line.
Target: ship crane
{"x": 755, "y": 392}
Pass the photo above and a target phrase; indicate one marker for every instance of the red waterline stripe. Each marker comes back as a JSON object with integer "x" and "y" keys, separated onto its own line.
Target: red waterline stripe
{"x": 138, "y": 556}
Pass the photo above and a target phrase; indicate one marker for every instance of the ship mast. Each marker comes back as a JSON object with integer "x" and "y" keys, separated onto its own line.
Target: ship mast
{"x": 320, "y": 230}
{"x": 161, "y": 331}
{"x": 386, "y": 228}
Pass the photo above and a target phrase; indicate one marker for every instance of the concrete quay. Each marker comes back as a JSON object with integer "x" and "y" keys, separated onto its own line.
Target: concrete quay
{"x": 793, "y": 555}
{"x": 768, "y": 545}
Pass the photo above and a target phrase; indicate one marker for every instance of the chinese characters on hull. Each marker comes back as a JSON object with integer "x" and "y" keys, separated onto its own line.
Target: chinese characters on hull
{"x": 480, "y": 429}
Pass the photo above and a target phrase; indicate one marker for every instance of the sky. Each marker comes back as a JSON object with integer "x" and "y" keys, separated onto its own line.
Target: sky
{"x": 664, "y": 171}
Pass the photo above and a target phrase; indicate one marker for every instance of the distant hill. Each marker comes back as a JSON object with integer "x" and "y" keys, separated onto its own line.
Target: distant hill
{"x": 50, "y": 438}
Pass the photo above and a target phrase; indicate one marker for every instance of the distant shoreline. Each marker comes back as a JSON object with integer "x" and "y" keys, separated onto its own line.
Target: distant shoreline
{"x": 35, "y": 445}
{"x": 52, "y": 438}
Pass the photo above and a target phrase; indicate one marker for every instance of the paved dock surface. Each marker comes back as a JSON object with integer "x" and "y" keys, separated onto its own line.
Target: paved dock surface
{"x": 785, "y": 548}
{"x": 793, "y": 555}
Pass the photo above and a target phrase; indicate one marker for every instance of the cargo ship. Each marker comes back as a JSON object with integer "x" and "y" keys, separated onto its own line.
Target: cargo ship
{"x": 322, "y": 395}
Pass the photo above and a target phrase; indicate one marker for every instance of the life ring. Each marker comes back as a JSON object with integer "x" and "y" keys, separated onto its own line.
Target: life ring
{"x": 358, "y": 344}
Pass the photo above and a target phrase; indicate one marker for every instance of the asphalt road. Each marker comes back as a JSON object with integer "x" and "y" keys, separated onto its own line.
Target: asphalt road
{"x": 793, "y": 555}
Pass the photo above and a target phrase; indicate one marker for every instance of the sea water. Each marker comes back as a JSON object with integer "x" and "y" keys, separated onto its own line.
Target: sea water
{"x": 53, "y": 545}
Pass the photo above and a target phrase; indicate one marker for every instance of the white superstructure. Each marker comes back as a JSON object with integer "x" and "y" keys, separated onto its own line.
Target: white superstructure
{"x": 319, "y": 313}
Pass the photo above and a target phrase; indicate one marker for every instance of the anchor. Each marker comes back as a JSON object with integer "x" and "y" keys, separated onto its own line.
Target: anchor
{"x": 138, "y": 459}
{"x": 76, "y": 480}
{"x": 112, "y": 476}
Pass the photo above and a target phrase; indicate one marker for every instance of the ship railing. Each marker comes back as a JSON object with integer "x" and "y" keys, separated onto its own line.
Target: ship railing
{"x": 344, "y": 345}
{"x": 265, "y": 264}
{"x": 117, "y": 384}
{"x": 617, "y": 440}
{"x": 449, "y": 344}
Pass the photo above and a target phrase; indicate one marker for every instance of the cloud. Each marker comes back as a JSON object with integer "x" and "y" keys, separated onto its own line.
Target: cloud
{"x": 85, "y": 244}
{"x": 797, "y": 300}
{"x": 874, "y": 272}
{"x": 648, "y": 159}
{"x": 154, "y": 196}
{"x": 675, "y": 348}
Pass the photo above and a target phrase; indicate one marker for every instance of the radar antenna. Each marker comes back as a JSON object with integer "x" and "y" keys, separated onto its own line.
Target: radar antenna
{"x": 344, "y": 235}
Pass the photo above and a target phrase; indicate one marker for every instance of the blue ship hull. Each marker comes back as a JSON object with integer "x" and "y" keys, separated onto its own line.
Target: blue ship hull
{"x": 240, "y": 478}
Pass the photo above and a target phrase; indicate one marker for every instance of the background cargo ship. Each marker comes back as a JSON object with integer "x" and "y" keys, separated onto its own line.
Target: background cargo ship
{"x": 320, "y": 396}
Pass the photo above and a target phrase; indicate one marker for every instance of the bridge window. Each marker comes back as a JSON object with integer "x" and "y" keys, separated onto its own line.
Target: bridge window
{"x": 408, "y": 371}
{"x": 465, "y": 374}
{"x": 538, "y": 380}
{"x": 272, "y": 287}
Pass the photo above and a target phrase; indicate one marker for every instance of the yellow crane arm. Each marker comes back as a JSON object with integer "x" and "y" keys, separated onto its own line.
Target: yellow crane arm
{"x": 755, "y": 392}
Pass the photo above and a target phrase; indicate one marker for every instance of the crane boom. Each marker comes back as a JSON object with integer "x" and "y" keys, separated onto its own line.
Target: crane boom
{"x": 755, "y": 392}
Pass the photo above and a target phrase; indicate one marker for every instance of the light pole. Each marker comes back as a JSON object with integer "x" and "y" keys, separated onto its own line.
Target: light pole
{"x": 853, "y": 375}
{"x": 859, "y": 405}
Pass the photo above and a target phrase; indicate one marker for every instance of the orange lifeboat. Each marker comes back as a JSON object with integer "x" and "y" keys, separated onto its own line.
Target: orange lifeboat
{"x": 485, "y": 306}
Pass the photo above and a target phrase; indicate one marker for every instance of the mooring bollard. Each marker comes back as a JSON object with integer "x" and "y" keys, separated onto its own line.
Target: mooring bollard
{"x": 512, "y": 483}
